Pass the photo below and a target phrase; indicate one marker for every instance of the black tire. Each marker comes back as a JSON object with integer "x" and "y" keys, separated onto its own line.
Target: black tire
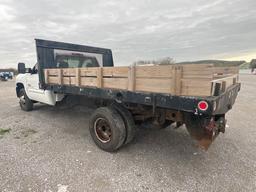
{"x": 25, "y": 103}
{"x": 128, "y": 121}
{"x": 107, "y": 129}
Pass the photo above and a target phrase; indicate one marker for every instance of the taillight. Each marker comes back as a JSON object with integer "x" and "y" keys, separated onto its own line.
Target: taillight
{"x": 202, "y": 105}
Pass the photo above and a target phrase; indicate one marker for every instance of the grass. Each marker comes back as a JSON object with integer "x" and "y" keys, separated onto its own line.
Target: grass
{"x": 4, "y": 131}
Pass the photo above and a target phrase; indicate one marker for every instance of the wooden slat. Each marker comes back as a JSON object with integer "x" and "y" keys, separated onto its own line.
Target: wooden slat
{"x": 60, "y": 73}
{"x": 115, "y": 83}
{"x": 195, "y": 91}
{"x": 173, "y": 80}
{"x": 115, "y": 71}
{"x": 99, "y": 77}
{"x": 53, "y": 80}
{"x": 204, "y": 73}
{"x": 89, "y": 71}
{"x": 46, "y": 75}
{"x": 88, "y": 81}
{"x": 216, "y": 89}
{"x": 199, "y": 72}
{"x": 153, "y": 85}
{"x": 78, "y": 79}
{"x": 52, "y": 72}
{"x": 154, "y": 71}
{"x": 196, "y": 83}
{"x": 73, "y": 81}
{"x": 69, "y": 72}
{"x": 69, "y": 81}
{"x": 226, "y": 78}
{"x": 208, "y": 77}
{"x": 229, "y": 82}
{"x": 131, "y": 78}
{"x": 220, "y": 76}
{"x": 66, "y": 81}
{"x": 178, "y": 80}
{"x": 196, "y": 80}
{"x": 195, "y": 67}
{"x": 223, "y": 86}
{"x": 235, "y": 79}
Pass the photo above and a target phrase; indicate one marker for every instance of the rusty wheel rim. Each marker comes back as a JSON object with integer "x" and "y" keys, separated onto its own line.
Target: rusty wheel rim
{"x": 102, "y": 130}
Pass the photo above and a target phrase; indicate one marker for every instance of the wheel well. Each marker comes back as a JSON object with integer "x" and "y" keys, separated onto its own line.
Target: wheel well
{"x": 19, "y": 86}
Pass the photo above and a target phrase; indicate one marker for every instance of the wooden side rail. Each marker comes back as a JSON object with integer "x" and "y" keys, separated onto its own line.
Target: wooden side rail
{"x": 187, "y": 80}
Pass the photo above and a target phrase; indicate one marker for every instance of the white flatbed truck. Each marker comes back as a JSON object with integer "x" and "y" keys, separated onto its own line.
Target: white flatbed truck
{"x": 198, "y": 96}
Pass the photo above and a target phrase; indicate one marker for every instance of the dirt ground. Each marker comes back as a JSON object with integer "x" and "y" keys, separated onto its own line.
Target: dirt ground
{"x": 50, "y": 149}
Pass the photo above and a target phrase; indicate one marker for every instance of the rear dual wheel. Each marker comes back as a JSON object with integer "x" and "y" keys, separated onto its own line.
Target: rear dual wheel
{"x": 129, "y": 123}
{"x": 108, "y": 128}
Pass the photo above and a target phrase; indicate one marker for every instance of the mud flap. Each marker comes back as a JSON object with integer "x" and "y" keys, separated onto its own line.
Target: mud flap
{"x": 205, "y": 130}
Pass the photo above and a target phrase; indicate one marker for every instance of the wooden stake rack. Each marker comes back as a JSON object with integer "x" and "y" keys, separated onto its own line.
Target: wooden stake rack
{"x": 186, "y": 79}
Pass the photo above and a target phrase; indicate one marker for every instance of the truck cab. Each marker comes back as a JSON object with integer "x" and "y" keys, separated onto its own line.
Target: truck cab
{"x": 30, "y": 81}
{"x": 27, "y": 87}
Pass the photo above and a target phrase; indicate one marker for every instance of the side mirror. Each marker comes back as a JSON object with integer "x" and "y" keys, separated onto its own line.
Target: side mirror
{"x": 21, "y": 68}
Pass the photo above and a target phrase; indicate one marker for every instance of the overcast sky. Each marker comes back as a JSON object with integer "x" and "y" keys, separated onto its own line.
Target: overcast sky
{"x": 133, "y": 29}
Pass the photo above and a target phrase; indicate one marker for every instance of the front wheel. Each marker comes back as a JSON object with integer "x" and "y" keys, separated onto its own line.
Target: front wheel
{"x": 107, "y": 129}
{"x": 25, "y": 103}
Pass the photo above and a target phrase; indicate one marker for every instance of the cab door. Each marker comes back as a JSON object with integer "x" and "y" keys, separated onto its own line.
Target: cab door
{"x": 35, "y": 93}
{"x": 32, "y": 82}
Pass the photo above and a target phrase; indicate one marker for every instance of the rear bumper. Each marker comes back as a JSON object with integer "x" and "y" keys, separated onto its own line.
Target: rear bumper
{"x": 209, "y": 128}
{"x": 226, "y": 100}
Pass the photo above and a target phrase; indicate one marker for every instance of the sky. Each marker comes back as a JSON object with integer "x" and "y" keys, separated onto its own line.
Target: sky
{"x": 184, "y": 30}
